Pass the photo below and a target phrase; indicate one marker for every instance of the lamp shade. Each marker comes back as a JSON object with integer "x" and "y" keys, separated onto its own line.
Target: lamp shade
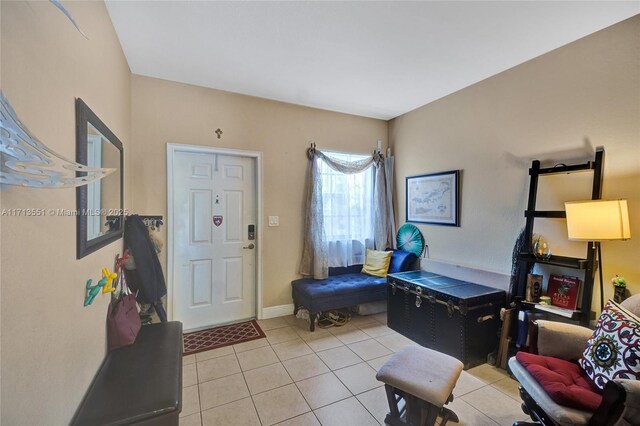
{"x": 597, "y": 220}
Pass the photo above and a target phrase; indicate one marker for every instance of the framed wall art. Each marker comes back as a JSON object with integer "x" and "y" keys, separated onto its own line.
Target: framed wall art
{"x": 434, "y": 198}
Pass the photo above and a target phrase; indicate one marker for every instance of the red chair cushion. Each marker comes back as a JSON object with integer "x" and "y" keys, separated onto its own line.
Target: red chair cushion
{"x": 564, "y": 382}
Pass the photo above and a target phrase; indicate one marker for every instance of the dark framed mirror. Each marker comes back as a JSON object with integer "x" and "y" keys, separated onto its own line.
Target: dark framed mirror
{"x": 100, "y": 204}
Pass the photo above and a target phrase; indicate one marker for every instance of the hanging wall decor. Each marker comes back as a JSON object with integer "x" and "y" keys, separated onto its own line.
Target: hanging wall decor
{"x": 434, "y": 198}
{"x": 59, "y": 5}
{"x": 91, "y": 291}
{"x": 28, "y": 162}
{"x": 110, "y": 276}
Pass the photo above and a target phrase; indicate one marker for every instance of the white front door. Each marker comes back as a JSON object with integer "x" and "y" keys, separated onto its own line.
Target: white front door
{"x": 214, "y": 210}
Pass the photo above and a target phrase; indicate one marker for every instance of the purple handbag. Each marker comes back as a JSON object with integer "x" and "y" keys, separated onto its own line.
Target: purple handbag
{"x": 123, "y": 320}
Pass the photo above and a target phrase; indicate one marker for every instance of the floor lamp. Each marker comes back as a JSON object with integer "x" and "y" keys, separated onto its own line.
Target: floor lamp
{"x": 597, "y": 221}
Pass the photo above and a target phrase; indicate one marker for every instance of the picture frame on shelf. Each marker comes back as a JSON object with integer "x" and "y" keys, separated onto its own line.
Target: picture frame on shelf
{"x": 534, "y": 288}
{"x": 434, "y": 198}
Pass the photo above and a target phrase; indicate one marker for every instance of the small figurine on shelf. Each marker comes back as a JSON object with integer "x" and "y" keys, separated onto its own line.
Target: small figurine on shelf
{"x": 620, "y": 288}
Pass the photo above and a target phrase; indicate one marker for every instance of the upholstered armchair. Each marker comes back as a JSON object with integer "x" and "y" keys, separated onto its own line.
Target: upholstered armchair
{"x": 620, "y": 402}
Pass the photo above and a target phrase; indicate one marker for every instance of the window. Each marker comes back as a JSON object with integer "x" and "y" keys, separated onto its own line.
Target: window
{"x": 347, "y": 211}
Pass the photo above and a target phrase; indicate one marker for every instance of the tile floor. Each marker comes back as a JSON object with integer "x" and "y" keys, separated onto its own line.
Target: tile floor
{"x": 294, "y": 377}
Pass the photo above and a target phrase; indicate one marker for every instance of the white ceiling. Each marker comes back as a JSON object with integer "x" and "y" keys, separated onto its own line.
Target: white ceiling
{"x": 376, "y": 59}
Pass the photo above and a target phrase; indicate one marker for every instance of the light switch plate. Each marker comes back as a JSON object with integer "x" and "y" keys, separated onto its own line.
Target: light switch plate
{"x": 274, "y": 220}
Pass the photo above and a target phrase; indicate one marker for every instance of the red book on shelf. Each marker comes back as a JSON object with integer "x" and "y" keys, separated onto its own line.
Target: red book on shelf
{"x": 564, "y": 290}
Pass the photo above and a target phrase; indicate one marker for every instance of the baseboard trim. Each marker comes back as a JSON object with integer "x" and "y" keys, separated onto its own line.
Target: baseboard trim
{"x": 277, "y": 311}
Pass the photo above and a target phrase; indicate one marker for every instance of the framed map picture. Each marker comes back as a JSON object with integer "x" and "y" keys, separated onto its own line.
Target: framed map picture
{"x": 434, "y": 198}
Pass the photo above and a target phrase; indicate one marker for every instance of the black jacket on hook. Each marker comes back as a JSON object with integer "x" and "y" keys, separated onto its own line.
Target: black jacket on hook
{"x": 147, "y": 278}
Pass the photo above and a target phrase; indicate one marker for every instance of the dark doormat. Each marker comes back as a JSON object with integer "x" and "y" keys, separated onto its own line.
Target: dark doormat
{"x": 217, "y": 337}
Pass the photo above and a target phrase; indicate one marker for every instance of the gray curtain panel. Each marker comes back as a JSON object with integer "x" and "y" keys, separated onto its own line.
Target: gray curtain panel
{"x": 388, "y": 172}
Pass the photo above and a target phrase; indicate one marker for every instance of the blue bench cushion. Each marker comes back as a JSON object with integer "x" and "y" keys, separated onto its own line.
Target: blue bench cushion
{"x": 401, "y": 261}
{"x": 338, "y": 291}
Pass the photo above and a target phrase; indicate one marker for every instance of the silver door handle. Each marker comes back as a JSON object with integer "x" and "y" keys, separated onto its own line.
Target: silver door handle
{"x": 250, "y": 247}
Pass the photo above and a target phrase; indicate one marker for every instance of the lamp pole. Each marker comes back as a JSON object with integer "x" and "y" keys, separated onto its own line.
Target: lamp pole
{"x": 597, "y": 243}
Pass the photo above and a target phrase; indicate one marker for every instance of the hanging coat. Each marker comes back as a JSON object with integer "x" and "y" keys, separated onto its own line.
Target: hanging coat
{"x": 147, "y": 278}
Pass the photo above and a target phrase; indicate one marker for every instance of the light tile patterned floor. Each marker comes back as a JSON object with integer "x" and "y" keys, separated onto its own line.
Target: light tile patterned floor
{"x": 297, "y": 378}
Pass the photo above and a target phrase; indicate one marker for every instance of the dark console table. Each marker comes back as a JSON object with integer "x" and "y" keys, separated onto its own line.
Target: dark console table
{"x": 140, "y": 384}
{"x": 451, "y": 316}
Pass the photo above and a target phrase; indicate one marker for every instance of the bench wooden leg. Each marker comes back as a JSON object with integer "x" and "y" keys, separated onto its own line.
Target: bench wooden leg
{"x": 312, "y": 321}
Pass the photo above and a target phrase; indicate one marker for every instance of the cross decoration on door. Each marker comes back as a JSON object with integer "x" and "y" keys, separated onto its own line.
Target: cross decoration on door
{"x": 217, "y": 220}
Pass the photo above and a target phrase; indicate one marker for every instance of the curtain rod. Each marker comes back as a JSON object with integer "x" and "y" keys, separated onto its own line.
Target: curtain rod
{"x": 312, "y": 146}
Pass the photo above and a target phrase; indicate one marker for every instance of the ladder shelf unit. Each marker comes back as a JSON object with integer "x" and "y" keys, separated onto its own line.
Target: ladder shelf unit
{"x": 587, "y": 264}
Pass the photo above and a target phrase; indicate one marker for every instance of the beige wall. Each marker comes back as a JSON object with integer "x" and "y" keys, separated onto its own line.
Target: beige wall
{"x": 545, "y": 108}
{"x": 166, "y": 112}
{"x": 51, "y": 345}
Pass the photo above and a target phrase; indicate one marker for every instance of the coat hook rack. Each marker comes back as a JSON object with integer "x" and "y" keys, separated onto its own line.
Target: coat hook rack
{"x": 153, "y": 222}
{"x": 113, "y": 223}
{"x": 219, "y": 133}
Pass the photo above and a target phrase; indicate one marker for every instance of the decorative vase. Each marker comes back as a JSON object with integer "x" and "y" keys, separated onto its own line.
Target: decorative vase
{"x": 541, "y": 248}
{"x": 619, "y": 294}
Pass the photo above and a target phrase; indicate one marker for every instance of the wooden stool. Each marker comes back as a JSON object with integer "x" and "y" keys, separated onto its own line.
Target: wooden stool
{"x": 424, "y": 379}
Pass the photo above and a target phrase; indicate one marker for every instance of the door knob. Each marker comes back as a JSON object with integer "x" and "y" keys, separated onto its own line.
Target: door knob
{"x": 250, "y": 247}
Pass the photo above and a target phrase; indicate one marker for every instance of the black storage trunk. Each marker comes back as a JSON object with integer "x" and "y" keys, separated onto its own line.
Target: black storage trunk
{"x": 455, "y": 317}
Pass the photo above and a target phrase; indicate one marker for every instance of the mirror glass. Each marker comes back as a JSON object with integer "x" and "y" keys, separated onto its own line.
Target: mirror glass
{"x": 100, "y": 203}
{"x": 103, "y": 196}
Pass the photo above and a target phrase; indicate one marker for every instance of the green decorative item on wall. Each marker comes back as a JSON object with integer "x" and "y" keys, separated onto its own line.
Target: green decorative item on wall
{"x": 93, "y": 290}
{"x": 409, "y": 238}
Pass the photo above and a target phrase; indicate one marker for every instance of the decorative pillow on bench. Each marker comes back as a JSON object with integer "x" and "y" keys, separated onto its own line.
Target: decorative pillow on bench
{"x": 377, "y": 263}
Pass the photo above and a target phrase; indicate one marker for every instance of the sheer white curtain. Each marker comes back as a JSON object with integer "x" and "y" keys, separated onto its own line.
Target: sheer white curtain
{"x": 347, "y": 206}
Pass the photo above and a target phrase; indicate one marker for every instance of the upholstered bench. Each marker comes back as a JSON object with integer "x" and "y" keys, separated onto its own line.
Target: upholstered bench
{"x": 424, "y": 379}
{"x": 345, "y": 287}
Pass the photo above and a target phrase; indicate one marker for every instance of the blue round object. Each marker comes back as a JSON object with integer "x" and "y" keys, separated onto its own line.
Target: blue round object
{"x": 409, "y": 238}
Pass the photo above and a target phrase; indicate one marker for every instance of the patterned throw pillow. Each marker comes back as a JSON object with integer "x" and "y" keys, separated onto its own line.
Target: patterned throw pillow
{"x": 613, "y": 351}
